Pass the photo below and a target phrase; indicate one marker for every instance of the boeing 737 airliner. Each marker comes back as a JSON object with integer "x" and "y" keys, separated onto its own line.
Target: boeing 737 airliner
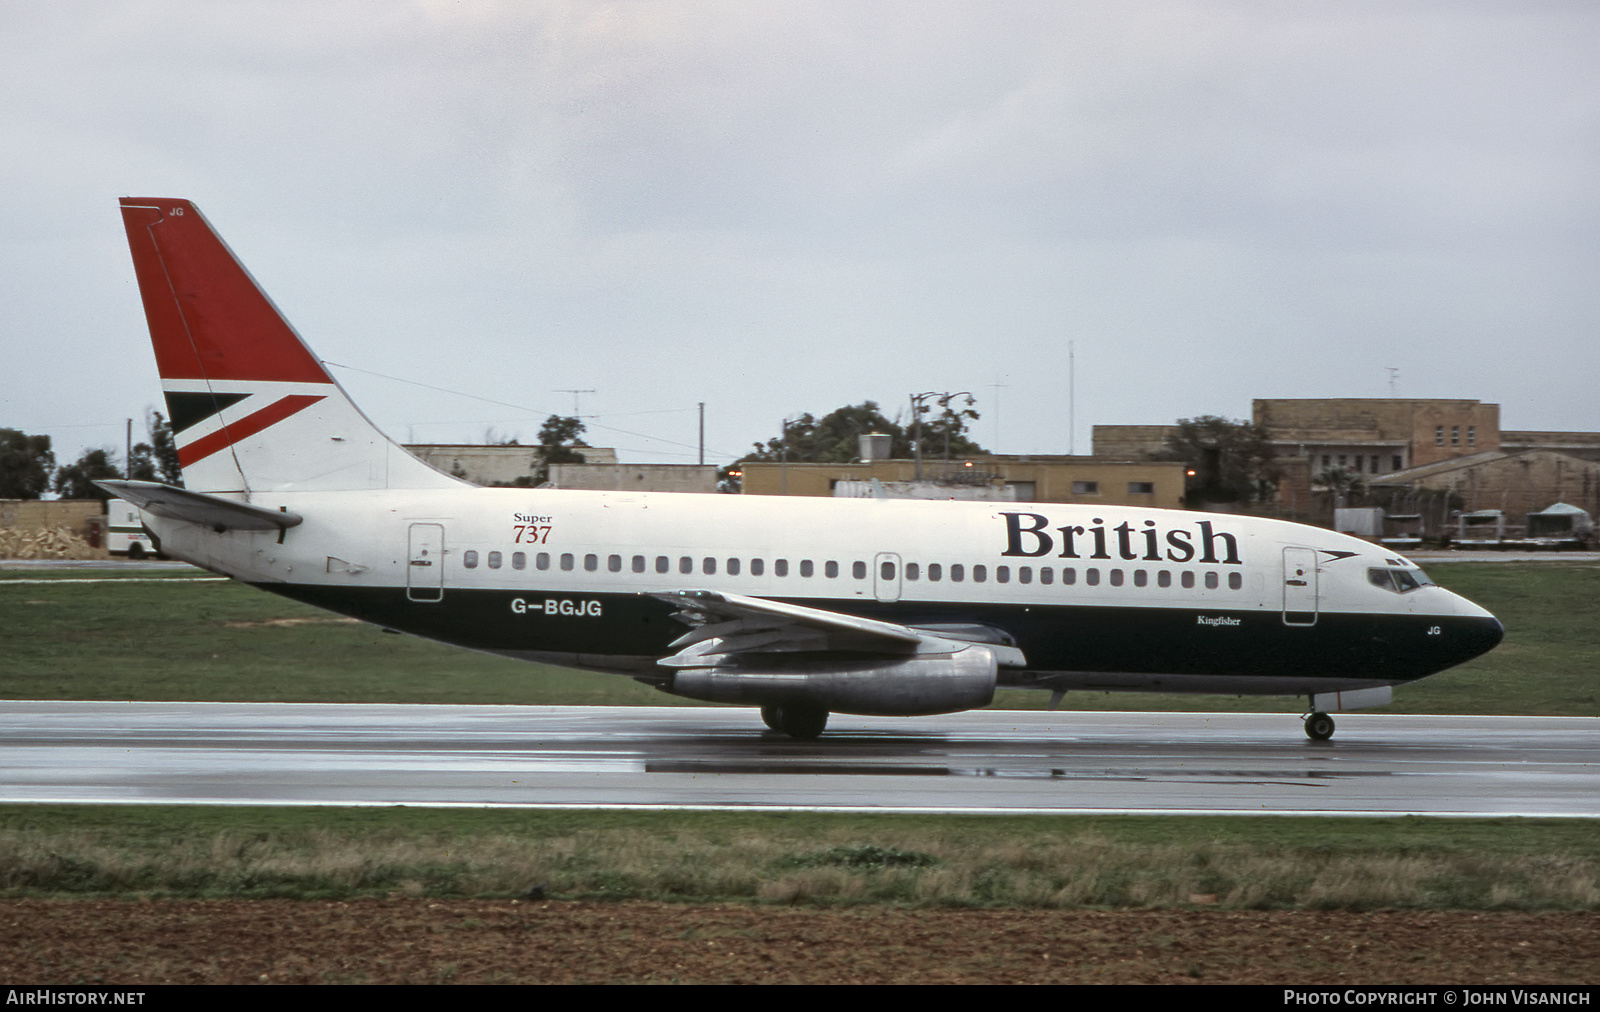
{"x": 798, "y": 606}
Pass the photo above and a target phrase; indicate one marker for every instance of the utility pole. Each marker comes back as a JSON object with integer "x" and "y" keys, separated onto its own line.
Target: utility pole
{"x": 702, "y": 433}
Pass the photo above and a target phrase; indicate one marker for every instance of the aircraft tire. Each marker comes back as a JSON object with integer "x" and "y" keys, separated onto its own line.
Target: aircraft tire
{"x": 803, "y": 723}
{"x": 772, "y": 716}
{"x": 1319, "y": 727}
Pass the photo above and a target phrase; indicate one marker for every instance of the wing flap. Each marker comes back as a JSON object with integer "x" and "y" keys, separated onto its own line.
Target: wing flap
{"x": 726, "y": 626}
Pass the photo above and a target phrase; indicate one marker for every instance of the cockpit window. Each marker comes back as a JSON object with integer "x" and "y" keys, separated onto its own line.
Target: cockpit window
{"x": 1398, "y": 581}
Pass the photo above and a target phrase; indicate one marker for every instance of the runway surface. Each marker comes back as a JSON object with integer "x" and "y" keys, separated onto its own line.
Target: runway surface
{"x": 691, "y": 757}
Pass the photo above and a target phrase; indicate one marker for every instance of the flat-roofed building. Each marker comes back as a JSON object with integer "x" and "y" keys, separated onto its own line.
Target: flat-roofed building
{"x": 1061, "y": 479}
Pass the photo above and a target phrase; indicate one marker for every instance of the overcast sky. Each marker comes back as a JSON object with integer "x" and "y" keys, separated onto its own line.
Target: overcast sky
{"x": 778, "y": 207}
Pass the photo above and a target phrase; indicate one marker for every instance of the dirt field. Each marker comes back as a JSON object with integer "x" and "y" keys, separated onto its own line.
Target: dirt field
{"x": 488, "y": 941}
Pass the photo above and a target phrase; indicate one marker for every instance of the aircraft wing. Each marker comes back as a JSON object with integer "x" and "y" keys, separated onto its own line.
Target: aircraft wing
{"x": 733, "y": 624}
{"x": 211, "y": 511}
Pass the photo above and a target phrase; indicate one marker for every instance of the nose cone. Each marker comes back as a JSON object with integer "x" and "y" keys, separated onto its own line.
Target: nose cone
{"x": 1473, "y": 632}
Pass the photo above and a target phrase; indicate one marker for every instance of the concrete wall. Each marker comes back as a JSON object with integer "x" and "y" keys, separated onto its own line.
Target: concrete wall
{"x": 635, "y": 477}
{"x": 494, "y": 465}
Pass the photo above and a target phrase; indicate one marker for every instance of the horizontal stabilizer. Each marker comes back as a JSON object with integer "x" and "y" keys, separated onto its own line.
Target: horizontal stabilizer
{"x": 211, "y": 511}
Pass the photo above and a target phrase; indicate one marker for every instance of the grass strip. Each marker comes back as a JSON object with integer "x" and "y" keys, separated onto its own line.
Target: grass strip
{"x": 227, "y": 642}
{"x": 1116, "y": 862}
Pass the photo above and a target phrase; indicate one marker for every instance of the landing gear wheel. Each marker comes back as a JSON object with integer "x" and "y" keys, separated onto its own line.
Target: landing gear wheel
{"x": 1319, "y": 727}
{"x": 804, "y": 723}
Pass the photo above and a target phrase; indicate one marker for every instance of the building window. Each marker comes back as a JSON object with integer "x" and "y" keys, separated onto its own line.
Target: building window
{"x": 1086, "y": 488}
{"x": 1455, "y": 435}
{"x": 1438, "y": 435}
{"x": 1472, "y": 435}
{"x": 1141, "y": 488}
{"x": 1395, "y": 463}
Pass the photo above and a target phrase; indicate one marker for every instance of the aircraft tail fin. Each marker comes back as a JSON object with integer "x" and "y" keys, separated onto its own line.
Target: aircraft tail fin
{"x": 252, "y": 409}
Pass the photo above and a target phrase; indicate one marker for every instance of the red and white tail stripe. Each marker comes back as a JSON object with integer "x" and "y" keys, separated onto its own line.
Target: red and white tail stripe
{"x": 252, "y": 408}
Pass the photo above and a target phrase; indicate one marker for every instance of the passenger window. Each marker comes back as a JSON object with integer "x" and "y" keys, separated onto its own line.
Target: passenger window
{"x": 1141, "y": 578}
{"x": 541, "y": 561}
{"x": 1116, "y": 577}
{"x": 470, "y": 559}
{"x": 957, "y": 573}
{"x": 1163, "y": 579}
{"x": 1046, "y": 576}
{"x": 1235, "y": 581}
{"x": 733, "y": 567}
{"x": 519, "y": 560}
{"x": 980, "y": 574}
{"x": 1211, "y": 581}
{"x": 685, "y": 565}
{"x": 913, "y": 571}
{"x": 494, "y": 560}
{"x": 935, "y": 572}
{"x": 566, "y": 562}
{"x": 638, "y": 564}
{"x": 757, "y": 567}
{"x": 886, "y": 571}
{"x": 780, "y": 567}
{"x": 708, "y": 566}
{"x": 614, "y": 563}
{"x": 1091, "y": 577}
{"x": 830, "y": 569}
{"x": 591, "y": 563}
{"x": 1188, "y": 580}
{"x": 806, "y": 568}
{"x": 1069, "y": 576}
{"x": 1002, "y": 574}
{"x": 1024, "y": 574}
{"x": 663, "y": 564}
{"x": 859, "y": 571}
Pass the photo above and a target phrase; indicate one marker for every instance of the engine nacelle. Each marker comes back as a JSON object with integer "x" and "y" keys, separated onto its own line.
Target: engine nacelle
{"x": 913, "y": 686}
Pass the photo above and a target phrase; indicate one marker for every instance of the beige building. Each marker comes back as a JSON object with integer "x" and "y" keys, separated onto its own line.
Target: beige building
{"x": 1020, "y": 479}
{"x": 1377, "y": 436}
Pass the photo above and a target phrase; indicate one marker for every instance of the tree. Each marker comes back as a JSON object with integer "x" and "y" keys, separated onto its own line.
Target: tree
{"x": 833, "y": 439}
{"x": 26, "y": 464}
{"x": 1231, "y": 460}
{"x": 76, "y": 480}
{"x": 558, "y": 444}
{"x": 156, "y": 460}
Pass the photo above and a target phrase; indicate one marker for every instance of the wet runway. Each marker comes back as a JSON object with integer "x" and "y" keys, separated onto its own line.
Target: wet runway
{"x": 690, "y": 757}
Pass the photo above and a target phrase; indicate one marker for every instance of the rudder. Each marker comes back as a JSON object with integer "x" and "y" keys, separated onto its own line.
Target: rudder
{"x": 252, "y": 409}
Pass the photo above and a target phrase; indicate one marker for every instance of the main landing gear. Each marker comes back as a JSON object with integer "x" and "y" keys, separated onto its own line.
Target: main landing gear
{"x": 801, "y": 722}
{"x": 1319, "y": 727}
